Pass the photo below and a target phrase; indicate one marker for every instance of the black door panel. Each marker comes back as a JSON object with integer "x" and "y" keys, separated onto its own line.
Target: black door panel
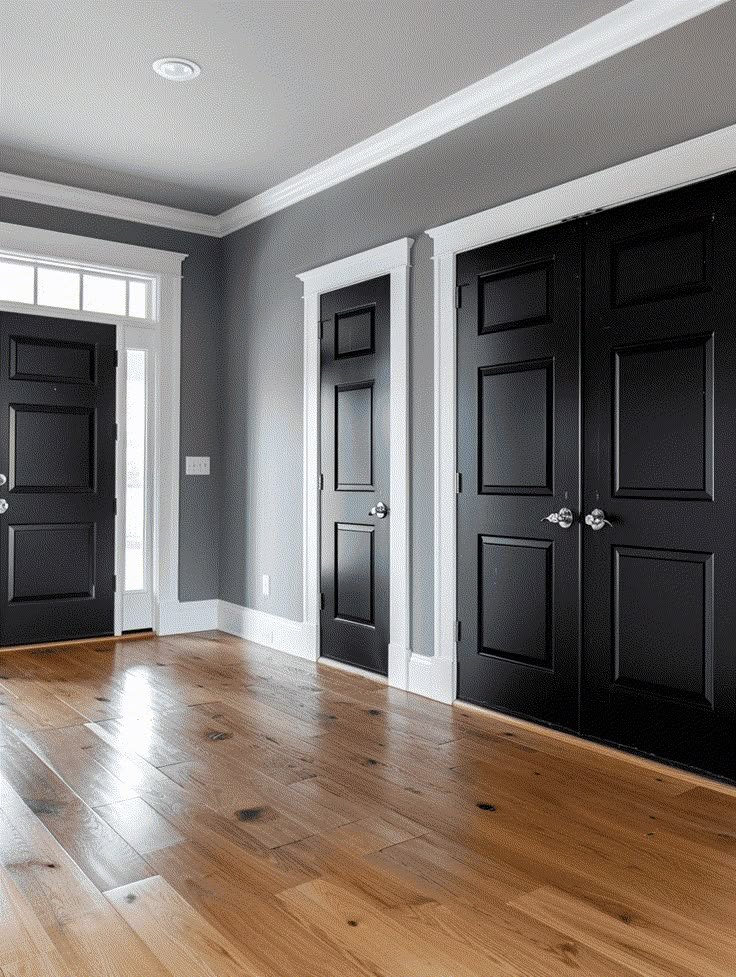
{"x": 518, "y": 395}
{"x": 57, "y": 449}
{"x": 659, "y": 663}
{"x": 355, "y": 473}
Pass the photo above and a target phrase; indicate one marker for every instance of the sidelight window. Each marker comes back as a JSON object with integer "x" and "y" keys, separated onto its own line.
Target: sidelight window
{"x": 135, "y": 471}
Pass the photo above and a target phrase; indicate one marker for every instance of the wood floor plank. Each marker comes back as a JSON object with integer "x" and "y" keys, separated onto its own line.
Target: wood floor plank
{"x": 176, "y": 934}
{"x": 143, "y": 828}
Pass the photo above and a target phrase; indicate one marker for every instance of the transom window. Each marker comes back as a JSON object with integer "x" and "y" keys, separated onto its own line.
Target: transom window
{"x": 61, "y": 286}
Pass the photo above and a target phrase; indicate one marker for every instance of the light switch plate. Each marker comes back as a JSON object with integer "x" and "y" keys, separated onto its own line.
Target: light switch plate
{"x": 197, "y": 465}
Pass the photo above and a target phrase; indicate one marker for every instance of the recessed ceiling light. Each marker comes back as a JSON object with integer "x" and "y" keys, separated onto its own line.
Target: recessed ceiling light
{"x": 176, "y": 69}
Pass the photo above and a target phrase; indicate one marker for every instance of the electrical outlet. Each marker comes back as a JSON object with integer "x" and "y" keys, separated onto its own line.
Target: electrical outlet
{"x": 266, "y": 585}
{"x": 197, "y": 465}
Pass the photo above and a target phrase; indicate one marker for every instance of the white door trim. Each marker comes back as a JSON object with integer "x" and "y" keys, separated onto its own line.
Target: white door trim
{"x": 166, "y": 267}
{"x": 689, "y": 162}
{"x": 389, "y": 259}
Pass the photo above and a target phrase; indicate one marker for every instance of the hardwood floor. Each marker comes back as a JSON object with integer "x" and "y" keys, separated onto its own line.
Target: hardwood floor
{"x": 197, "y": 807}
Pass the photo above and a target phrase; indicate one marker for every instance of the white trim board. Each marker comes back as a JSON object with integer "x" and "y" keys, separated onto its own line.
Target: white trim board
{"x": 264, "y": 629}
{"x": 387, "y": 259}
{"x": 166, "y": 265}
{"x": 689, "y": 162}
{"x": 603, "y": 38}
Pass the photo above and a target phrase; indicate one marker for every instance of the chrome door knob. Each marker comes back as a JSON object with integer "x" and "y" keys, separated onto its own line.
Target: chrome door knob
{"x": 3, "y": 479}
{"x": 564, "y": 518}
{"x": 380, "y": 511}
{"x": 3, "y": 506}
{"x": 597, "y": 520}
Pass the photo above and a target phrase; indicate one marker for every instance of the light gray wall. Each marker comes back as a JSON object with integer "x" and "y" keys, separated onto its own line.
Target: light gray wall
{"x": 200, "y": 325}
{"x": 670, "y": 89}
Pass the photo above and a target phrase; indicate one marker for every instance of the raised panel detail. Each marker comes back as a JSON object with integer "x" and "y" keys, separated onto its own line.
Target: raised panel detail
{"x": 67, "y": 462}
{"x": 354, "y": 573}
{"x": 354, "y": 332}
{"x": 515, "y": 606}
{"x": 515, "y": 430}
{"x": 663, "y": 622}
{"x": 51, "y": 361}
{"x": 663, "y": 420}
{"x": 515, "y": 297}
{"x": 51, "y": 562}
{"x": 672, "y": 262}
{"x": 354, "y": 437}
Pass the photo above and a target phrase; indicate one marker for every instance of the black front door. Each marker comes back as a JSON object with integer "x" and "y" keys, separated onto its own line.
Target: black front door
{"x": 659, "y": 663}
{"x": 57, "y": 454}
{"x": 355, "y": 474}
{"x": 518, "y": 328}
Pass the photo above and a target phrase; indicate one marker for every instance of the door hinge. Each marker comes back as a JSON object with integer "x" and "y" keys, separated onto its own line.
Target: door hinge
{"x": 458, "y": 631}
{"x": 458, "y": 482}
{"x": 321, "y": 329}
{"x": 458, "y": 296}
{"x": 322, "y": 602}
{"x": 321, "y": 482}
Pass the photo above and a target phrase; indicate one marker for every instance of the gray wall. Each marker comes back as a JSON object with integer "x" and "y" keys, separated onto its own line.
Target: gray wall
{"x": 670, "y": 89}
{"x": 201, "y": 322}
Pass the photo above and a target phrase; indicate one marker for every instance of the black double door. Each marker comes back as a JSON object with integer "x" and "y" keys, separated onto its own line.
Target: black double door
{"x": 597, "y": 518}
{"x": 57, "y": 461}
{"x": 355, "y": 479}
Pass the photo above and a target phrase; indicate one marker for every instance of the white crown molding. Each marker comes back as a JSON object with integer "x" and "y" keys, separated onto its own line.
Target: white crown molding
{"x": 603, "y": 38}
{"x": 615, "y": 32}
{"x": 106, "y": 205}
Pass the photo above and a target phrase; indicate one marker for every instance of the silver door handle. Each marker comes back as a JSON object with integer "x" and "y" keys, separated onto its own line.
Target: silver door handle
{"x": 597, "y": 520}
{"x": 380, "y": 511}
{"x": 564, "y": 518}
{"x": 3, "y": 479}
{"x": 3, "y": 506}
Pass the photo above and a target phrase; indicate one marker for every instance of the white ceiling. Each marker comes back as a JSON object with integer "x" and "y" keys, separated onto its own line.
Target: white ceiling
{"x": 285, "y": 84}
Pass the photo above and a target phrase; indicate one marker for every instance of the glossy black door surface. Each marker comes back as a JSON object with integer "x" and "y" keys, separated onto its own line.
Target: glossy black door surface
{"x": 518, "y": 329}
{"x": 355, "y": 360}
{"x": 57, "y": 451}
{"x": 659, "y": 662}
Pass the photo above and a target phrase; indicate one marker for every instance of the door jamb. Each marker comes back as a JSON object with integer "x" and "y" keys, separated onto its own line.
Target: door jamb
{"x": 389, "y": 259}
{"x": 689, "y": 162}
{"x": 166, "y": 268}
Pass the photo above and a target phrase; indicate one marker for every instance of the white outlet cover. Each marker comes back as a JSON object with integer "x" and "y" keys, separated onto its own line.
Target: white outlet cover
{"x": 197, "y": 465}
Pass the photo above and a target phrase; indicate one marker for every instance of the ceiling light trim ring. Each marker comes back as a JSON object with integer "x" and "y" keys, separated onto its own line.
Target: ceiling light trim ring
{"x": 177, "y": 69}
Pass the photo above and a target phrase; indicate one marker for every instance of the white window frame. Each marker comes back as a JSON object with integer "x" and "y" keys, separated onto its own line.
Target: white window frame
{"x": 389, "y": 259}
{"x": 689, "y": 162}
{"x": 163, "y": 330}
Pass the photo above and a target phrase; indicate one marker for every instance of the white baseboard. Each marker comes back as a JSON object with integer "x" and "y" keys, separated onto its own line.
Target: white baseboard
{"x": 279, "y": 633}
{"x": 183, "y": 617}
{"x": 432, "y": 677}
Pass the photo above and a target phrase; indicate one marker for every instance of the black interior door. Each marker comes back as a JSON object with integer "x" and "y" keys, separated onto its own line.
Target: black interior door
{"x": 356, "y": 375}
{"x": 659, "y": 663}
{"x": 518, "y": 334}
{"x": 57, "y": 453}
